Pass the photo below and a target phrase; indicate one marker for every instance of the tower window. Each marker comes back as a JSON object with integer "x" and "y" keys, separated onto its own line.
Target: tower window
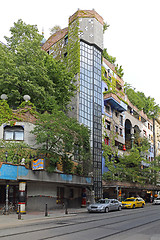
{"x": 14, "y": 133}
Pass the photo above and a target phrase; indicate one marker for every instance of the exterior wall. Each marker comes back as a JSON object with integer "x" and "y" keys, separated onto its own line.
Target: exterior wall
{"x": 29, "y": 138}
{"x": 134, "y": 121}
{"x": 91, "y": 31}
{"x": 40, "y": 194}
{"x": 42, "y": 186}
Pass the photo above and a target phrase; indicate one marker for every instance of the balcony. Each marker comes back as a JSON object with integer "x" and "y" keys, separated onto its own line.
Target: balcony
{"x": 115, "y": 102}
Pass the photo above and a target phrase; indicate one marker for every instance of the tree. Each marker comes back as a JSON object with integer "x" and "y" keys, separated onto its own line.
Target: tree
{"x": 54, "y": 29}
{"x": 132, "y": 166}
{"x": 105, "y": 26}
{"x": 112, "y": 60}
{"x": 57, "y": 135}
{"x": 147, "y": 104}
{"x": 16, "y": 151}
{"x": 28, "y": 70}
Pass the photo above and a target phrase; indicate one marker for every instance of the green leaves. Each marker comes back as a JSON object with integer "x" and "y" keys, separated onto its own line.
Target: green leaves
{"x": 132, "y": 166}
{"x": 57, "y": 135}
{"x": 147, "y": 104}
{"x": 26, "y": 69}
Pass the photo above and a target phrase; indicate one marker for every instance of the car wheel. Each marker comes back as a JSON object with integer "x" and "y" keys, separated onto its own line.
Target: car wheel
{"x": 106, "y": 210}
{"x": 142, "y": 205}
{"x": 119, "y": 208}
{"x": 133, "y": 206}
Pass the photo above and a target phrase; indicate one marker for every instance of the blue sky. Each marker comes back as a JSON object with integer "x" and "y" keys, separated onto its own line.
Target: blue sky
{"x": 133, "y": 36}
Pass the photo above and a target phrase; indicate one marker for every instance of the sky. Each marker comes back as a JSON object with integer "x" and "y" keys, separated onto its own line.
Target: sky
{"x": 133, "y": 36}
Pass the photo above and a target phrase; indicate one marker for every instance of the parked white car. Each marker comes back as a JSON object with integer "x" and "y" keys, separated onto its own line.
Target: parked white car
{"x": 156, "y": 201}
{"x": 105, "y": 205}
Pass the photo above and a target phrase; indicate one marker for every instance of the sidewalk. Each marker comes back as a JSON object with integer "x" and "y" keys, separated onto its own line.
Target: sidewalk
{"x": 12, "y": 220}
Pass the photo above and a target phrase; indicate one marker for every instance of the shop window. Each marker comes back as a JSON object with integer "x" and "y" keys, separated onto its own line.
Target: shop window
{"x": 60, "y": 195}
{"x": 71, "y": 193}
{"x": 13, "y": 133}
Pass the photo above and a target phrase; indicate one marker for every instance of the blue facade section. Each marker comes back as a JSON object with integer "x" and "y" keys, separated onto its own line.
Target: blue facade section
{"x": 12, "y": 172}
{"x": 22, "y": 171}
{"x": 88, "y": 180}
{"x": 66, "y": 177}
{"x": 8, "y": 172}
{"x": 104, "y": 168}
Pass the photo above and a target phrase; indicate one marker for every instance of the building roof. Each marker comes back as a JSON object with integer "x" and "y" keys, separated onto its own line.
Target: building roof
{"x": 86, "y": 14}
{"x": 54, "y": 38}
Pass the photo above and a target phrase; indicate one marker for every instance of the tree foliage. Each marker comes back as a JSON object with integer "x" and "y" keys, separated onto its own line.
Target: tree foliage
{"x": 112, "y": 60}
{"x": 138, "y": 99}
{"x": 57, "y": 135}
{"x": 28, "y": 70}
{"x": 16, "y": 151}
{"x": 54, "y": 29}
{"x": 132, "y": 166}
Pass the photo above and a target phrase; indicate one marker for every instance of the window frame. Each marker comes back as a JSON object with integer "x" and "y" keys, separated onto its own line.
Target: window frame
{"x": 14, "y": 130}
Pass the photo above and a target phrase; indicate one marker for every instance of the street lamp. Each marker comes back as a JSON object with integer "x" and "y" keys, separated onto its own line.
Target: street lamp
{"x": 6, "y": 153}
{"x": 4, "y": 97}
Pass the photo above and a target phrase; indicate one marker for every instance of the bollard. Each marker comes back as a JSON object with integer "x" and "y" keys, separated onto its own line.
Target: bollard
{"x": 19, "y": 212}
{"x": 66, "y": 210}
{"x": 46, "y": 211}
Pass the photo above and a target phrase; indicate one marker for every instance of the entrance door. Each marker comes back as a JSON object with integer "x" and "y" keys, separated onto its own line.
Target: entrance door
{"x": 2, "y": 194}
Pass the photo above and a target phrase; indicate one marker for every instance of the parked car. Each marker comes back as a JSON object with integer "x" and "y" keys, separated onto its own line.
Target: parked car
{"x": 156, "y": 201}
{"x": 133, "y": 202}
{"x": 105, "y": 205}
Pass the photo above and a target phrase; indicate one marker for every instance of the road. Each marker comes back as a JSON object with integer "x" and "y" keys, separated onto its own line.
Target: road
{"x": 128, "y": 224}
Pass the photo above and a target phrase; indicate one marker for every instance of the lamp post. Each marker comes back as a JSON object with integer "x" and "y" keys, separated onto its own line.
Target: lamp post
{"x": 6, "y": 153}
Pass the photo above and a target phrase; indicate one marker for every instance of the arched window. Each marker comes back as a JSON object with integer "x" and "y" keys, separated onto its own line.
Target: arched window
{"x": 13, "y": 133}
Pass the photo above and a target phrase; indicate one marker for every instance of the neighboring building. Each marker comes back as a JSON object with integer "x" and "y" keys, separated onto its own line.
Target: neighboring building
{"x": 80, "y": 46}
{"x": 29, "y": 183}
{"x": 123, "y": 120}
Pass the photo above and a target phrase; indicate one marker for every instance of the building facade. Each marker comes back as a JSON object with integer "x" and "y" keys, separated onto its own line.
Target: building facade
{"x": 80, "y": 45}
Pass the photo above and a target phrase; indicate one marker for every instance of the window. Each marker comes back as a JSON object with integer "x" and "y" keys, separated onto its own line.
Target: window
{"x": 66, "y": 40}
{"x": 107, "y": 108}
{"x": 108, "y": 125}
{"x": 116, "y": 129}
{"x": 116, "y": 114}
{"x": 121, "y": 120}
{"x": 120, "y": 131}
{"x": 105, "y": 74}
{"x": 65, "y": 54}
{"x": 13, "y": 133}
{"x": 60, "y": 195}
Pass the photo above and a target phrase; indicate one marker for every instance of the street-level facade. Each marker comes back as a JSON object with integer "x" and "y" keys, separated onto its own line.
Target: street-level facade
{"x": 28, "y": 183}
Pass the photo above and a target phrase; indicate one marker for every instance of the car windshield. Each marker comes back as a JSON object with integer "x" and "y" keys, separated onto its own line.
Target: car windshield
{"x": 103, "y": 201}
{"x": 157, "y": 199}
{"x": 129, "y": 200}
